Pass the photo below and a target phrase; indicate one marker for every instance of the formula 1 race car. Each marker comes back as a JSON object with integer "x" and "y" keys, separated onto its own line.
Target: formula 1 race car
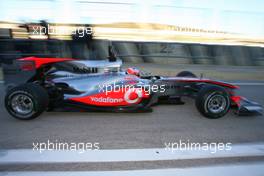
{"x": 35, "y": 85}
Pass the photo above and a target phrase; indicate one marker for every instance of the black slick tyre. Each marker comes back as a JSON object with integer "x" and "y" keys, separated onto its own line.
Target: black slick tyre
{"x": 212, "y": 101}
{"x": 26, "y": 101}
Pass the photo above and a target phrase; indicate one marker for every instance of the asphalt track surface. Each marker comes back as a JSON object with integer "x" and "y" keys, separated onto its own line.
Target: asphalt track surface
{"x": 143, "y": 131}
{"x": 167, "y": 123}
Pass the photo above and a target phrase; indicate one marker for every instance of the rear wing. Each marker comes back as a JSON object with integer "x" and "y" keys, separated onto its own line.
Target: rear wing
{"x": 18, "y": 72}
{"x": 22, "y": 70}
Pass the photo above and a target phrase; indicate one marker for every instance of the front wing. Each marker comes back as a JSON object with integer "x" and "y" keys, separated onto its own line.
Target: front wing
{"x": 246, "y": 107}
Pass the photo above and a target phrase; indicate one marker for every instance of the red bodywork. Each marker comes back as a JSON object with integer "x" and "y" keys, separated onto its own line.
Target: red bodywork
{"x": 42, "y": 61}
{"x": 199, "y": 80}
{"x": 122, "y": 97}
{"x": 114, "y": 98}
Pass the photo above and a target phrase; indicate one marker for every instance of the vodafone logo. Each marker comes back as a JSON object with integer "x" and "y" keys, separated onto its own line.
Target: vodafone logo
{"x": 106, "y": 100}
{"x": 132, "y": 96}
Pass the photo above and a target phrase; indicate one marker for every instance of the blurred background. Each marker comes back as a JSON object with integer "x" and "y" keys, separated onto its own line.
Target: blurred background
{"x": 169, "y": 32}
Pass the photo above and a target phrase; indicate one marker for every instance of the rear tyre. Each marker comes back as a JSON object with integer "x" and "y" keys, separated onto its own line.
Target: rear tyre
{"x": 212, "y": 101}
{"x": 187, "y": 74}
{"x": 27, "y": 101}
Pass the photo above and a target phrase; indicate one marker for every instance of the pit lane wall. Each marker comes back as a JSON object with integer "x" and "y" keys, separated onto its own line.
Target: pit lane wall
{"x": 135, "y": 52}
{"x": 133, "y": 43}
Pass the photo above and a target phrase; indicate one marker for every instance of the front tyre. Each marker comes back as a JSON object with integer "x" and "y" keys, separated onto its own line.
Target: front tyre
{"x": 212, "y": 101}
{"x": 26, "y": 101}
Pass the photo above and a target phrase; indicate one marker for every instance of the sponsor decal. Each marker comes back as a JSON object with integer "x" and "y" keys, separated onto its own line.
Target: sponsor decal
{"x": 129, "y": 92}
{"x": 106, "y": 100}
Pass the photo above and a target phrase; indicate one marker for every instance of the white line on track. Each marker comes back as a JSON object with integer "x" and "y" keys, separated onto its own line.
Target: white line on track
{"x": 255, "y": 169}
{"x": 248, "y": 84}
{"x": 121, "y": 155}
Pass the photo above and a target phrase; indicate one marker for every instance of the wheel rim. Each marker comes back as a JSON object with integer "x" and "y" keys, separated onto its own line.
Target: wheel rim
{"x": 217, "y": 104}
{"x": 22, "y": 104}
